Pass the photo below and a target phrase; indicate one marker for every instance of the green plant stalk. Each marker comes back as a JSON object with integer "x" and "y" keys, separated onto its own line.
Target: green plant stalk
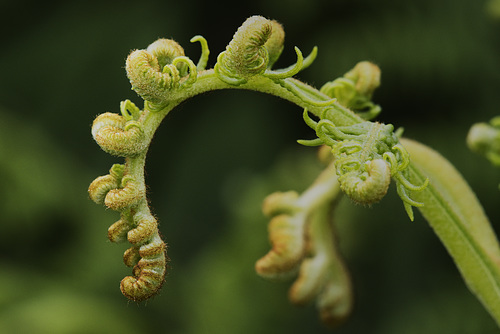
{"x": 457, "y": 217}
{"x": 208, "y": 81}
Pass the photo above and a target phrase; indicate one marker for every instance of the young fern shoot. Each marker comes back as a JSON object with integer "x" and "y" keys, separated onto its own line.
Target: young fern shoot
{"x": 362, "y": 157}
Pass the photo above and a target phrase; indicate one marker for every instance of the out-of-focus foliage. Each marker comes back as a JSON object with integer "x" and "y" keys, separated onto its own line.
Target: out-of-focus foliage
{"x": 494, "y": 8}
{"x": 62, "y": 64}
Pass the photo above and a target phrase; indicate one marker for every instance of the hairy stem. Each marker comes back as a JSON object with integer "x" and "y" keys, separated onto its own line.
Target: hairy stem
{"x": 208, "y": 81}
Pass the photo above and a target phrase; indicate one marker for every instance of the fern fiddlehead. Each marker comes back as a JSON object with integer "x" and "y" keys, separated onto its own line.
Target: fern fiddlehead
{"x": 367, "y": 155}
{"x": 363, "y": 158}
{"x": 304, "y": 244}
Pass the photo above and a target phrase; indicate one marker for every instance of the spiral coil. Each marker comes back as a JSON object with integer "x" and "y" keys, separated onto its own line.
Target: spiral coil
{"x": 159, "y": 69}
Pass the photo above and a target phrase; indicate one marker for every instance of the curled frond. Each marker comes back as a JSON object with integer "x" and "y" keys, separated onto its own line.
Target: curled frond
{"x": 366, "y": 77}
{"x": 400, "y": 178}
{"x": 147, "y": 256}
{"x": 291, "y": 215}
{"x": 173, "y": 73}
{"x": 289, "y": 72}
{"x": 131, "y": 256}
{"x": 205, "y": 52}
{"x": 149, "y": 270}
{"x": 301, "y": 64}
{"x": 225, "y": 75}
{"x": 147, "y": 281}
{"x": 146, "y": 76}
{"x": 310, "y": 280}
{"x": 155, "y": 71}
{"x": 369, "y": 183}
{"x": 310, "y": 58}
{"x": 146, "y": 227}
{"x": 255, "y": 47}
{"x": 323, "y": 274}
{"x": 356, "y": 88}
{"x": 286, "y": 234}
{"x": 275, "y": 42}
{"x": 326, "y": 131}
{"x": 100, "y": 187}
{"x": 399, "y": 160}
{"x": 335, "y": 302}
{"x": 192, "y": 73}
{"x": 118, "y": 231}
{"x": 330, "y": 134}
{"x": 107, "y": 119}
{"x": 367, "y": 155}
{"x": 279, "y": 203}
{"x": 303, "y": 241}
{"x": 246, "y": 54}
{"x": 152, "y": 248}
{"x": 309, "y": 121}
{"x": 166, "y": 50}
{"x": 343, "y": 89}
{"x": 129, "y": 194}
{"x": 117, "y": 136}
{"x": 129, "y": 110}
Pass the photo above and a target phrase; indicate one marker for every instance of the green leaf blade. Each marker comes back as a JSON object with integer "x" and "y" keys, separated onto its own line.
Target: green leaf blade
{"x": 456, "y": 216}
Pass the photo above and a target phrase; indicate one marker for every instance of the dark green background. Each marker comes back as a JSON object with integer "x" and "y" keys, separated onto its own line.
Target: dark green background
{"x": 217, "y": 156}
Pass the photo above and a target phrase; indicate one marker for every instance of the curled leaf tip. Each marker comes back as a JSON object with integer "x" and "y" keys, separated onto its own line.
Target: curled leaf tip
{"x": 367, "y": 156}
{"x": 366, "y": 77}
{"x": 291, "y": 71}
{"x": 245, "y": 55}
{"x": 147, "y": 257}
{"x": 355, "y": 89}
{"x": 275, "y": 42}
{"x": 205, "y": 52}
{"x": 159, "y": 69}
{"x": 127, "y": 195}
{"x": 119, "y": 136}
{"x": 367, "y": 184}
{"x": 102, "y": 185}
{"x": 165, "y": 50}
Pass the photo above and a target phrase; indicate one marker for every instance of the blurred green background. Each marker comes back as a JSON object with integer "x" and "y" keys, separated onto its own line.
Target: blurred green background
{"x": 217, "y": 156}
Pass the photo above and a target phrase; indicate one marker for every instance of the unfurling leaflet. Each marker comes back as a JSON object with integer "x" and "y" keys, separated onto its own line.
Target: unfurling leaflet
{"x": 147, "y": 257}
{"x": 286, "y": 233}
{"x": 119, "y": 136}
{"x": 276, "y": 43}
{"x": 246, "y": 55}
{"x": 367, "y": 155}
{"x": 355, "y": 89}
{"x": 323, "y": 274}
{"x": 127, "y": 195}
{"x": 159, "y": 69}
{"x": 303, "y": 243}
{"x": 100, "y": 187}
